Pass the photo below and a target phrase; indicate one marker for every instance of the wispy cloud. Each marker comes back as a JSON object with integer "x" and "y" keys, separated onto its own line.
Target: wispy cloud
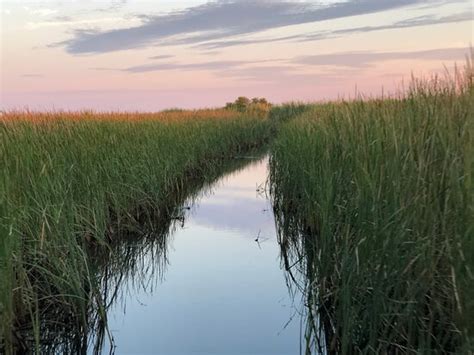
{"x": 274, "y": 74}
{"x": 32, "y": 75}
{"x": 261, "y": 71}
{"x": 246, "y": 41}
{"x": 163, "y": 56}
{"x": 303, "y": 69}
{"x": 316, "y": 36}
{"x": 223, "y": 19}
{"x": 113, "y": 6}
{"x": 413, "y": 22}
{"x": 334, "y": 67}
{"x": 68, "y": 21}
{"x": 213, "y": 65}
{"x": 40, "y": 11}
{"x": 366, "y": 59}
{"x": 210, "y": 66}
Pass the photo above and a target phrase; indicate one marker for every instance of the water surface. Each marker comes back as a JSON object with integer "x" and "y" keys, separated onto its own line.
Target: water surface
{"x": 216, "y": 290}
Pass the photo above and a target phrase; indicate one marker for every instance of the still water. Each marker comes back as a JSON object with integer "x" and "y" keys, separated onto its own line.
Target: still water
{"x": 219, "y": 290}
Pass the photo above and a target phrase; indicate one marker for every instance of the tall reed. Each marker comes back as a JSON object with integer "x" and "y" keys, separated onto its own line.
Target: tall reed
{"x": 374, "y": 206}
{"x": 68, "y": 178}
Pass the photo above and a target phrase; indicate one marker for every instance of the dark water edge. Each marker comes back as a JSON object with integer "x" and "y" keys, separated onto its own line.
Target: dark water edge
{"x": 199, "y": 276}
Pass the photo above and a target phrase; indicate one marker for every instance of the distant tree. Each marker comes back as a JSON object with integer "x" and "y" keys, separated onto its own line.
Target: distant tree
{"x": 173, "y": 109}
{"x": 242, "y": 103}
{"x": 256, "y": 105}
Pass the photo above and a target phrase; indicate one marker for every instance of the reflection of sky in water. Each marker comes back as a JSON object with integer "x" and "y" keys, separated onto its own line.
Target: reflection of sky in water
{"x": 221, "y": 293}
{"x": 235, "y": 204}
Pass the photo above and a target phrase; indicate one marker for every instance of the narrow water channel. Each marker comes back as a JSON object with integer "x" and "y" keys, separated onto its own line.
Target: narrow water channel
{"x": 219, "y": 288}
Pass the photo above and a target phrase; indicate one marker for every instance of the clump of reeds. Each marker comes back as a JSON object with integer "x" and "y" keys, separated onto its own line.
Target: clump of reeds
{"x": 67, "y": 177}
{"x": 374, "y": 204}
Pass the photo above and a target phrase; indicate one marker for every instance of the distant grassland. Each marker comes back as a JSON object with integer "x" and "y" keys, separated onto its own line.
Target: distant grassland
{"x": 65, "y": 177}
{"x": 374, "y": 204}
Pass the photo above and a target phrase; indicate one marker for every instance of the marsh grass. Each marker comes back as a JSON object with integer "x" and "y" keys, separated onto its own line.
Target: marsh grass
{"x": 69, "y": 181}
{"x": 135, "y": 262}
{"x": 374, "y": 207}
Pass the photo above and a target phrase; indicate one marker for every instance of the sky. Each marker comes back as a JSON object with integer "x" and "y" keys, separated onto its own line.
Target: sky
{"x": 152, "y": 55}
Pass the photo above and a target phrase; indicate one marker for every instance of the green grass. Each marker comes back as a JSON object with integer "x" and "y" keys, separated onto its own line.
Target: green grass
{"x": 374, "y": 207}
{"x": 68, "y": 179}
{"x": 373, "y": 201}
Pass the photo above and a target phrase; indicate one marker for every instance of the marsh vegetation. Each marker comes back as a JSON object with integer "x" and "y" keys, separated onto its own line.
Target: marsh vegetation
{"x": 373, "y": 204}
{"x": 70, "y": 181}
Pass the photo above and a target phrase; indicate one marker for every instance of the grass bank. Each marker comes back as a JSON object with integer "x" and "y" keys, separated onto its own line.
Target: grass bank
{"x": 374, "y": 206}
{"x": 70, "y": 180}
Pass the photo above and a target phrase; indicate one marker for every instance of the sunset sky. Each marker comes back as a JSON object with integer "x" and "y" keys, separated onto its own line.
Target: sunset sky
{"x": 151, "y": 55}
